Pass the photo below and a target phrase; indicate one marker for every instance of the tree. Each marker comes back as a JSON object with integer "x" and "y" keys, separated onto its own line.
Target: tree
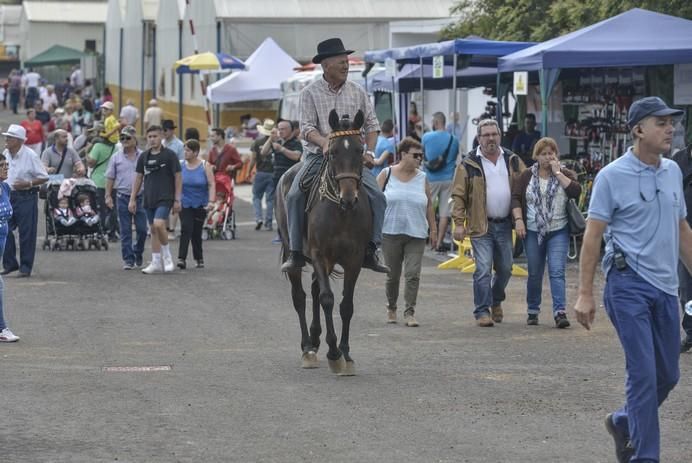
{"x": 541, "y": 20}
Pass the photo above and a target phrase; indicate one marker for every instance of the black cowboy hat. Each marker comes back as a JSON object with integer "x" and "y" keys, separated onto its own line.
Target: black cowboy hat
{"x": 330, "y": 47}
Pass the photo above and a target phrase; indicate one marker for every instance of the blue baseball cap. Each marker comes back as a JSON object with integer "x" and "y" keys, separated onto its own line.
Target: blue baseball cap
{"x": 649, "y": 106}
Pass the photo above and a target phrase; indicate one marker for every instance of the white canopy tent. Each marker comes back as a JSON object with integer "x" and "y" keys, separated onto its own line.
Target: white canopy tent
{"x": 268, "y": 66}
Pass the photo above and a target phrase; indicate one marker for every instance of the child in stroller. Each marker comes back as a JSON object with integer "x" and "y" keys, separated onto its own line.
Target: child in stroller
{"x": 220, "y": 222}
{"x": 84, "y": 212}
{"x": 71, "y": 222}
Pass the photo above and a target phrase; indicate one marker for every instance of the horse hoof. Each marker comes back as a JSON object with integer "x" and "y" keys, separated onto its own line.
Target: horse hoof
{"x": 338, "y": 365}
{"x": 349, "y": 369}
{"x": 310, "y": 360}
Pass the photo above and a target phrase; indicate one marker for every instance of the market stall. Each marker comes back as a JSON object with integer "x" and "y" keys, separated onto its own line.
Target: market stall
{"x": 590, "y": 77}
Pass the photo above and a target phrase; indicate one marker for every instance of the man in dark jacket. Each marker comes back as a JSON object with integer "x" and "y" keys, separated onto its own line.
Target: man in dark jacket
{"x": 684, "y": 159}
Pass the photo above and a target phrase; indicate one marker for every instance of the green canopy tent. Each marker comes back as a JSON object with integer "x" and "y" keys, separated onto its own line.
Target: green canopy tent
{"x": 56, "y": 55}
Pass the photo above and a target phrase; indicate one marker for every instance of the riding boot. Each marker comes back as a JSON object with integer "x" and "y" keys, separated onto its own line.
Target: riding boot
{"x": 373, "y": 259}
{"x": 295, "y": 261}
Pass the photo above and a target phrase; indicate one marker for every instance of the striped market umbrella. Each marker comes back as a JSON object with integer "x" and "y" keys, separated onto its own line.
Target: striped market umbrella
{"x": 208, "y": 62}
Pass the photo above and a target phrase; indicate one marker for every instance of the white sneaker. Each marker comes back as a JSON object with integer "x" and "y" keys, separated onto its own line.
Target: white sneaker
{"x": 168, "y": 265}
{"x": 8, "y": 336}
{"x": 153, "y": 268}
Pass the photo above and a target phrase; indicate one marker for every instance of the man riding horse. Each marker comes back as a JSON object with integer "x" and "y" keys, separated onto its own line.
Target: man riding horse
{"x": 332, "y": 92}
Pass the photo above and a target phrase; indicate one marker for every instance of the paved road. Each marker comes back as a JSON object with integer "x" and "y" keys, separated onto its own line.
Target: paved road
{"x": 444, "y": 392}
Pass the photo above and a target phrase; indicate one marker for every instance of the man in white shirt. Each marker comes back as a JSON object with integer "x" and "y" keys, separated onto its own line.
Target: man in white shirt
{"x": 50, "y": 98}
{"x": 76, "y": 79}
{"x": 153, "y": 114}
{"x": 32, "y": 80}
{"x": 26, "y": 173}
{"x": 482, "y": 198}
{"x": 129, "y": 114}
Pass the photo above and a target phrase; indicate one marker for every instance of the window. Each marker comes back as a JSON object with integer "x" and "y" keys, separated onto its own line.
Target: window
{"x": 90, "y": 46}
{"x": 149, "y": 39}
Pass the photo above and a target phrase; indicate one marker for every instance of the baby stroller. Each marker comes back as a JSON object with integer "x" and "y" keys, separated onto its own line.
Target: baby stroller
{"x": 220, "y": 222}
{"x": 71, "y": 221}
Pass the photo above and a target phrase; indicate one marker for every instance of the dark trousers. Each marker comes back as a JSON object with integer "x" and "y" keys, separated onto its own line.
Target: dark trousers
{"x": 131, "y": 253}
{"x": 191, "y": 223}
{"x": 109, "y": 217}
{"x": 25, "y": 218}
{"x": 31, "y": 97}
{"x": 14, "y": 99}
{"x": 685, "y": 295}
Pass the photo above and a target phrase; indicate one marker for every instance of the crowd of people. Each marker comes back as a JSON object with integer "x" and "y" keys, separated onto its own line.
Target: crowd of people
{"x": 418, "y": 188}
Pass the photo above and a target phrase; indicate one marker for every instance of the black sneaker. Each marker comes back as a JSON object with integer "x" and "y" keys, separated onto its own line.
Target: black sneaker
{"x": 561, "y": 321}
{"x": 623, "y": 447}
{"x": 295, "y": 261}
{"x": 686, "y": 344}
{"x": 532, "y": 320}
{"x": 200, "y": 264}
{"x": 138, "y": 261}
{"x": 373, "y": 261}
{"x": 258, "y": 225}
{"x": 182, "y": 265}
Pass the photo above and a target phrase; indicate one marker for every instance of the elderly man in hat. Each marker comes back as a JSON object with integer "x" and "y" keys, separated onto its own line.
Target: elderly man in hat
{"x": 333, "y": 91}
{"x": 638, "y": 201}
{"x": 263, "y": 184}
{"x": 25, "y": 175}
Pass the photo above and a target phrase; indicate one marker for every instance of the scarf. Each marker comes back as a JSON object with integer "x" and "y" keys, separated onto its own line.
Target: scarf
{"x": 542, "y": 204}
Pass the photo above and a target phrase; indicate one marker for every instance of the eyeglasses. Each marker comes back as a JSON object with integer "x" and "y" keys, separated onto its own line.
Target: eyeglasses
{"x": 417, "y": 154}
{"x": 125, "y": 137}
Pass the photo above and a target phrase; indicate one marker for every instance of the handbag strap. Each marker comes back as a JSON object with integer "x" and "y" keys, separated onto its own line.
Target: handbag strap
{"x": 386, "y": 180}
{"x": 62, "y": 159}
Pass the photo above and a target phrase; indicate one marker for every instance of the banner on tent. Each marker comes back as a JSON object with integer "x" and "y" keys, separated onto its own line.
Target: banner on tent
{"x": 438, "y": 67}
{"x": 521, "y": 80}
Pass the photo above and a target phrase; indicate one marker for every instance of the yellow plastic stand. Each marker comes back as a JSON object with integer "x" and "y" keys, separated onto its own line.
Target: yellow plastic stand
{"x": 460, "y": 260}
{"x": 465, "y": 264}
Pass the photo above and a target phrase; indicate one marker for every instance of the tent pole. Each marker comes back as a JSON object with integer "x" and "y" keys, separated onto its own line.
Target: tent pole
{"x": 544, "y": 103}
{"x": 454, "y": 96}
{"x": 141, "y": 93}
{"x": 422, "y": 97}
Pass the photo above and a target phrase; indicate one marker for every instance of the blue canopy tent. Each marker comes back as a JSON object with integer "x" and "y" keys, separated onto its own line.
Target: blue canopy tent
{"x": 475, "y": 52}
{"x": 635, "y": 38}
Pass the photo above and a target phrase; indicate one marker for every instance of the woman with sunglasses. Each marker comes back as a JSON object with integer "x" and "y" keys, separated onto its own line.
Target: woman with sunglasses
{"x": 408, "y": 220}
{"x": 199, "y": 193}
{"x": 5, "y": 214}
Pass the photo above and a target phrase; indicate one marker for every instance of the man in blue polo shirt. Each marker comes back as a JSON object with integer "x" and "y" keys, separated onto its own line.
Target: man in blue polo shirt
{"x": 440, "y": 144}
{"x": 638, "y": 202}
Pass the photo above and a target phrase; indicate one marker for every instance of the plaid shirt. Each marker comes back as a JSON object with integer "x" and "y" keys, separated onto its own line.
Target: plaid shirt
{"x": 317, "y": 100}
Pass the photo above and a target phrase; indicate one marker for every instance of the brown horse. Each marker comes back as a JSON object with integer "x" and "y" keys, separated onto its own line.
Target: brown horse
{"x": 339, "y": 226}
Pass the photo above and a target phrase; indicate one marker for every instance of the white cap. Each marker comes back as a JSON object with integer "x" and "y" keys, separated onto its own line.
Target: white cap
{"x": 16, "y": 131}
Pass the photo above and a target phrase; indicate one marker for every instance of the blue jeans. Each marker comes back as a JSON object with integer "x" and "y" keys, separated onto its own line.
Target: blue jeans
{"x": 2, "y": 289}
{"x": 494, "y": 249}
{"x": 129, "y": 252}
{"x": 647, "y": 321}
{"x": 554, "y": 247}
{"x": 25, "y": 218}
{"x": 263, "y": 185}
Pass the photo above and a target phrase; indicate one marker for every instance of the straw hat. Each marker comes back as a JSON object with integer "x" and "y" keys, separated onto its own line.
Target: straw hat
{"x": 266, "y": 128}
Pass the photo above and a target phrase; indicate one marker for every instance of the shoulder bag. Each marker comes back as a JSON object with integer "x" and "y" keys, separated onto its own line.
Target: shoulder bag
{"x": 575, "y": 219}
{"x": 439, "y": 162}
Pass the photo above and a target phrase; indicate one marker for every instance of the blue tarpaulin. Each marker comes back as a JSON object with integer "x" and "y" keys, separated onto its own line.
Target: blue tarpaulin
{"x": 449, "y": 48}
{"x": 635, "y": 38}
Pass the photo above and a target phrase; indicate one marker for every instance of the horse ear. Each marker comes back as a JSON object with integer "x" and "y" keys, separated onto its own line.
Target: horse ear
{"x": 359, "y": 120}
{"x": 333, "y": 120}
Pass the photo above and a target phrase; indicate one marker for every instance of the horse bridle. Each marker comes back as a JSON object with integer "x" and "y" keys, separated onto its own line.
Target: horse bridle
{"x": 338, "y": 134}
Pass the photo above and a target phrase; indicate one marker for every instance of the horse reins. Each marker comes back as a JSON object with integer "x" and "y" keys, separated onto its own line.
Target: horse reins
{"x": 329, "y": 185}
